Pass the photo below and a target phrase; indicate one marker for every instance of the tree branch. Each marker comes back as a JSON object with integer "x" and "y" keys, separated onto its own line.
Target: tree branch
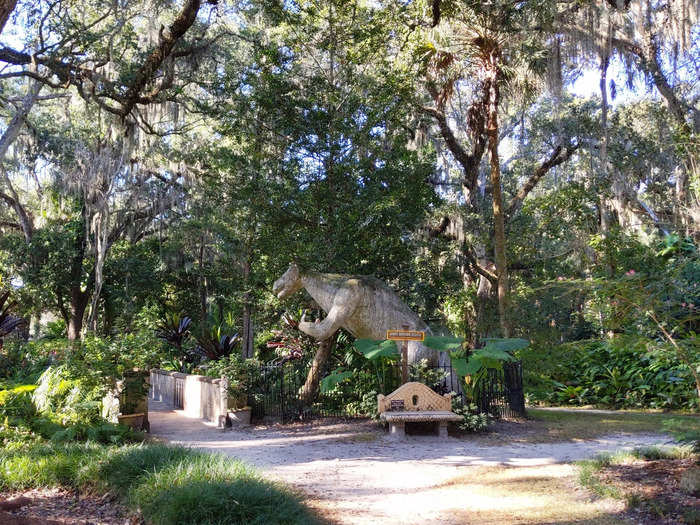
{"x": 166, "y": 41}
{"x": 87, "y": 80}
{"x": 492, "y": 277}
{"x": 440, "y": 229}
{"x": 557, "y": 157}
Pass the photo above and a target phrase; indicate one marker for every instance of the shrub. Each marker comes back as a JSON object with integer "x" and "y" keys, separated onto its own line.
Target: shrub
{"x": 68, "y": 400}
{"x": 24, "y": 361}
{"x": 626, "y": 371}
{"x": 240, "y": 374}
{"x": 14, "y": 437}
{"x": 367, "y": 406}
{"x": 472, "y": 420}
{"x": 100, "y": 361}
{"x": 107, "y": 433}
{"x": 17, "y": 402}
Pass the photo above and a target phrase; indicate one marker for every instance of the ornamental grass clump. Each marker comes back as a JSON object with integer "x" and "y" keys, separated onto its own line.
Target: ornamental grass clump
{"x": 167, "y": 485}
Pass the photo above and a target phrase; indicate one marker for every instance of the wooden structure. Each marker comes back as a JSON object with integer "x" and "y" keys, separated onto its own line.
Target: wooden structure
{"x": 415, "y": 403}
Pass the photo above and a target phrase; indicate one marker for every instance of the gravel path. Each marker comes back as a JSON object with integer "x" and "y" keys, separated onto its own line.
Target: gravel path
{"x": 363, "y": 476}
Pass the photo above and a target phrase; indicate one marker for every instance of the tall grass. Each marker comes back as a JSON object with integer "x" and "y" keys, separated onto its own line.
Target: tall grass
{"x": 169, "y": 485}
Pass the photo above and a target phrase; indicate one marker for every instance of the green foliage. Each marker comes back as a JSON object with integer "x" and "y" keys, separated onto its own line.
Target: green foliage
{"x": 100, "y": 361}
{"x": 57, "y": 408}
{"x": 25, "y": 361}
{"x": 472, "y": 420}
{"x": 168, "y": 485}
{"x": 651, "y": 357}
{"x": 174, "y": 330}
{"x": 56, "y": 329}
{"x": 622, "y": 372}
{"x": 214, "y": 344}
{"x": 365, "y": 406}
{"x": 496, "y": 346}
{"x": 374, "y": 349}
{"x": 98, "y": 432}
{"x": 492, "y": 355}
{"x": 443, "y": 344}
{"x": 17, "y": 402}
{"x": 426, "y": 374}
{"x": 329, "y": 382}
{"x": 67, "y": 399}
{"x": 476, "y": 365}
{"x": 241, "y": 375}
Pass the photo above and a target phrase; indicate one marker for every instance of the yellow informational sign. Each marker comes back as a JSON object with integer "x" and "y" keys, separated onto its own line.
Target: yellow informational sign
{"x": 405, "y": 335}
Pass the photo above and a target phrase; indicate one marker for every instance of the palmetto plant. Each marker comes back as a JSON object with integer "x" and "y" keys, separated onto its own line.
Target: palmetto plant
{"x": 8, "y": 322}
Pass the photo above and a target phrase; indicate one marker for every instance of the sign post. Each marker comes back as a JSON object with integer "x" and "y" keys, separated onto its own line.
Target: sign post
{"x": 405, "y": 335}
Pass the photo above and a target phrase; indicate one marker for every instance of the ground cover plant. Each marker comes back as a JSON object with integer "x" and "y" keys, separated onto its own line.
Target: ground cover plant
{"x": 167, "y": 485}
{"x": 653, "y": 482}
{"x": 51, "y": 435}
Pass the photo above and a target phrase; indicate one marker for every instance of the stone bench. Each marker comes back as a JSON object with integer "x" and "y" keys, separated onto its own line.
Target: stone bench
{"x": 415, "y": 403}
{"x": 397, "y": 420}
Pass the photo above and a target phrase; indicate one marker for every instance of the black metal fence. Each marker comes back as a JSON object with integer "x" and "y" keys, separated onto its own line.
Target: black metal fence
{"x": 277, "y": 392}
{"x": 501, "y": 392}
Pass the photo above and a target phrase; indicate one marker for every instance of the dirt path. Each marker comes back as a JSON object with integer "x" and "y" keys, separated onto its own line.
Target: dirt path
{"x": 359, "y": 476}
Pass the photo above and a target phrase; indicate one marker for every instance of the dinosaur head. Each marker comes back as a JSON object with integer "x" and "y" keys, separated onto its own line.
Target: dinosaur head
{"x": 289, "y": 283}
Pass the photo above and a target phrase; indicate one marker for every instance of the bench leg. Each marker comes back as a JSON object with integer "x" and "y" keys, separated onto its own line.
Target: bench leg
{"x": 442, "y": 430}
{"x": 397, "y": 430}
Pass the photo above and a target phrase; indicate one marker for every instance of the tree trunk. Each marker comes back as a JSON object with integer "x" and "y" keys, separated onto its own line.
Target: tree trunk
{"x": 313, "y": 378}
{"x": 78, "y": 305}
{"x": 202, "y": 290}
{"x": 8, "y": 137}
{"x": 102, "y": 246}
{"x": 499, "y": 239}
{"x": 79, "y": 297}
{"x": 606, "y": 209}
{"x": 650, "y": 62}
{"x": 6, "y": 8}
{"x": 247, "y": 349}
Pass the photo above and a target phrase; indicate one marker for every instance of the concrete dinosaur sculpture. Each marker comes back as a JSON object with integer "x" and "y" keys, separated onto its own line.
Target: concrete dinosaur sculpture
{"x": 363, "y": 305}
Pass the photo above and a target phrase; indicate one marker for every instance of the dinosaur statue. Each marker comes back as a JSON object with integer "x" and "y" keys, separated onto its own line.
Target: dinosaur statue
{"x": 363, "y": 305}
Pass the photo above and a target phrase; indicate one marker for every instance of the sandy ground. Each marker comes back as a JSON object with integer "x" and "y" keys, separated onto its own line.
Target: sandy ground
{"x": 357, "y": 475}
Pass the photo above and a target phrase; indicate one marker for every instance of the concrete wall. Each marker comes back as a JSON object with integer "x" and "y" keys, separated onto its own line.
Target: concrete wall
{"x": 197, "y": 396}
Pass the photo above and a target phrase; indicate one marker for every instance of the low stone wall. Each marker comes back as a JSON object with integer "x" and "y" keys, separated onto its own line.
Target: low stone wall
{"x": 128, "y": 397}
{"x": 198, "y": 396}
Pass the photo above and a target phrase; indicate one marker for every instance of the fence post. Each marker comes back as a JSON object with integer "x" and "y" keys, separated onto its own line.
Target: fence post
{"x": 282, "y": 407}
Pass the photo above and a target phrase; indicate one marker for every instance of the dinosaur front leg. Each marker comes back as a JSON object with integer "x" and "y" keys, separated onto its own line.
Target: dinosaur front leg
{"x": 344, "y": 304}
{"x": 326, "y": 328}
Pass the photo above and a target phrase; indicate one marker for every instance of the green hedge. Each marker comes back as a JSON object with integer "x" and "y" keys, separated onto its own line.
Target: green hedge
{"x": 622, "y": 372}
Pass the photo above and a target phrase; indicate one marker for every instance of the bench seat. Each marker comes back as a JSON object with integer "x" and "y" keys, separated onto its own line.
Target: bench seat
{"x": 397, "y": 420}
{"x": 413, "y": 416}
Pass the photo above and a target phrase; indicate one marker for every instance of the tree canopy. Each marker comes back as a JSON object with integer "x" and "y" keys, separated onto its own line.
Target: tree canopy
{"x": 163, "y": 159}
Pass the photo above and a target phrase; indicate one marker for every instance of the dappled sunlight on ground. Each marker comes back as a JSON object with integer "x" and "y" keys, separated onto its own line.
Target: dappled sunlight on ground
{"x": 354, "y": 473}
{"x": 543, "y": 494}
